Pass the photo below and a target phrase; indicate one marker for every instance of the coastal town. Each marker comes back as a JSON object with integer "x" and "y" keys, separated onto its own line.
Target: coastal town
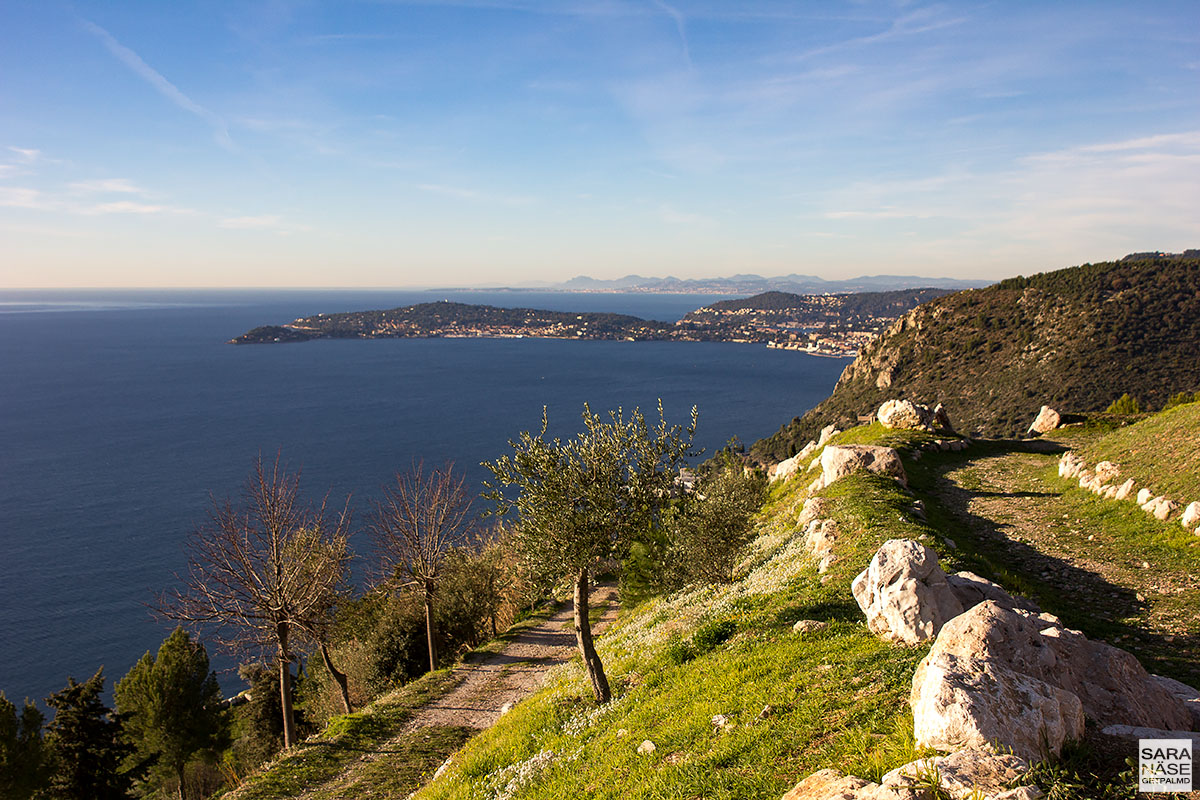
{"x": 834, "y": 325}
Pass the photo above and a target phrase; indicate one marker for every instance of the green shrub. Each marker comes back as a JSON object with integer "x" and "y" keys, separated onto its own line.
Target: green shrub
{"x": 680, "y": 651}
{"x": 1182, "y": 399}
{"x": 1125, "y": 404}
{"x": 713, "y": 634}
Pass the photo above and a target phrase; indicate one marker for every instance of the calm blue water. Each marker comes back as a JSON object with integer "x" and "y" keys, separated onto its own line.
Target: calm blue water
{"x": 121, "y": 412}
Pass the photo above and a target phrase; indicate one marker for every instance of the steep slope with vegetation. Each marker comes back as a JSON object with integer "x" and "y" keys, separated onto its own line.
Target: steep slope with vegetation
{"x": 717, "y": 693}
{"x": 1076, "y": 338}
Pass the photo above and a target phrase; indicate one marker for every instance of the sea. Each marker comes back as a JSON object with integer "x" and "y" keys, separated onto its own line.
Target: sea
{"x": 124, "y": 414}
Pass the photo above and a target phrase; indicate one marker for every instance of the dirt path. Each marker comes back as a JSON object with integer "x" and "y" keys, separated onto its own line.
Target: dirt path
{"x": 513, "y": 673}
{"x": 483, "y": 688}
{"x": 1100, "y": 565}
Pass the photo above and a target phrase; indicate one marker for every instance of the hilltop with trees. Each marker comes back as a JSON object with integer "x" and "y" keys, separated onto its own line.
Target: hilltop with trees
{"x": 1076, "y": 338}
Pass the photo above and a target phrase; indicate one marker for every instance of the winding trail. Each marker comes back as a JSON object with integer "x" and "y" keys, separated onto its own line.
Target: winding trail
{"x": 484, "y": 686}
{"x": 1100, "y": 565}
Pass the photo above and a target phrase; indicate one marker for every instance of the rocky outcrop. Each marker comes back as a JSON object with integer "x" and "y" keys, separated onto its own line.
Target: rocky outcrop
{"x": 904, "y": 593}
{"x": 906, "y": 596}
{"x": 973, "y": 774}
{"x": 1047, "y": 420}
{"x": 905, "y": 414}
{"x": 962, "y": 774}
{"x": 838, "y": 461}
{"x": 1025, "y": 681}
{"x": 971, "y": 590}
{"x": 1188, "y": 695}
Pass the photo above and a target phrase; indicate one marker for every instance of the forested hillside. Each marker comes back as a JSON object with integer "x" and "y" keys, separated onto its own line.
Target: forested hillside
{"x": 1076, "y": 338}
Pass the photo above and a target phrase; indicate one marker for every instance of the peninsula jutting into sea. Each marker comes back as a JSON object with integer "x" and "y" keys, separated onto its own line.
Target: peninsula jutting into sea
{"x": 820, "y": 324}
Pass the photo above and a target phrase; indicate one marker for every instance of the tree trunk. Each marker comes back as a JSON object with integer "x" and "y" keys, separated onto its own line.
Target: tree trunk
{"x": 429, "y": 625}
{"x": 339, "y": 678}
{"x": 179, "y": 776}
{"x": 583, "y": 637}
{"x": 285, "y": 686}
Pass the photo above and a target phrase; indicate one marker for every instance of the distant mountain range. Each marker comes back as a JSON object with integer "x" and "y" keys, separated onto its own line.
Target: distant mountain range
{"x": 756, "y": 284}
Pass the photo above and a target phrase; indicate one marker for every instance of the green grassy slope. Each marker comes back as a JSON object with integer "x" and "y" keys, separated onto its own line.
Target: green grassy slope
{"x": 1161, "y": 452}
{"x": 835, "y": 698}
{"x": 1076, "y": 339}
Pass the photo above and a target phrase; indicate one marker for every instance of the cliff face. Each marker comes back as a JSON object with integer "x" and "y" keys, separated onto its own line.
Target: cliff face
{"x": 1076, "y": 338}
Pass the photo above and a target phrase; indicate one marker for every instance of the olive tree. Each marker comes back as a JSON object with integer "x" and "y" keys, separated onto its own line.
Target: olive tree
{"x": 583, "y": 500}
{"x": 263, "y": 573}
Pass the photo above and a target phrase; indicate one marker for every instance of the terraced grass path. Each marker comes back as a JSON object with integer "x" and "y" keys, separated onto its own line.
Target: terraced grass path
{"x": 1105, "y": 567}
{"x": 482, "y": 687}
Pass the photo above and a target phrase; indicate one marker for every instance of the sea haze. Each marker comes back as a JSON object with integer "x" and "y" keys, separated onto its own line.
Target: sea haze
{"x": 122, "y": 412}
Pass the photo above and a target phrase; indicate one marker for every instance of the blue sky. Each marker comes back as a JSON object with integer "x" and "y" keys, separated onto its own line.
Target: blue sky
{"x": 503, "y": 142}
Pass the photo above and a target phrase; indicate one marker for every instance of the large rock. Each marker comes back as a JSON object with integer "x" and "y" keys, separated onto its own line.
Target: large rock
{"x": 905, "y": 414}
{"x": 962, "y": 701}
{"x": 904, "y": 593}
{"x": 975, "y": 769}
{"x": 1188, "y": 695}
{"x": 941, "y": 417}
{"x": 1124, "y": 490}
{"x": 971, "y": 590}
{"x": 827, "y": 433}
{"x": 1106, "y": 471}
{"x": 831, "y": 784}
{"x": 1047, "y": 420}
{"x": 790, "y": 466}
{"x": 838, "y": 461}
{"x": 989, "y": 660}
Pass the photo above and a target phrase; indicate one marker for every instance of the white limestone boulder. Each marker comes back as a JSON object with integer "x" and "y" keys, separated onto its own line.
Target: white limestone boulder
{"x": 974, "y": 769}
{"x": 971, "y": 590}
{"x": 1106, "y": 471}
{"x": 904, "y": 593}
{"x": 1125, "y": 490}
{"x": 813, "y": 508}
{"x": 827, "y": 433}
{"x": 838, "y": 461}
{"x": 1188, "y": 695}
{"x": 905, "y": 414}
{"x": 1191, "y": 514}
{"x": 1143, "y": 496}
{"x": 784, "y": 469}
{"x": 963, "y": 701}
{"x": 941, "y": 418}
{"x": 991, "y": 655}
{"x": 1047, "y": 420}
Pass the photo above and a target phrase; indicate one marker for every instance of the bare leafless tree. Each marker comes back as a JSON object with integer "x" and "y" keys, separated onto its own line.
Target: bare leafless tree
{"x": 264, "y": 571}
{"x": 421, "y": 517}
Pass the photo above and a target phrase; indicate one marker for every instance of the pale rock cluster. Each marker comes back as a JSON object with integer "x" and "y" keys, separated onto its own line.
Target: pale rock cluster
{"x": 913, "y": 416}
{"x": 790, "y": 466}
{"x": 997, "y": 676}
{"x": 965, "y": 775}
{"x": 907, "y": 598}
{"x": 1102, "y": 480}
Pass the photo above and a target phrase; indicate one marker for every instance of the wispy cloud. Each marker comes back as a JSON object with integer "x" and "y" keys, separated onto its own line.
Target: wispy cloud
{"x": 274, "y": 223}
{"x": 132, "y": 207}
{"x": 474, "y": 195}
{"x": 106, "y": 186}
{"x": 161, "y": 84}
{"x": 680, "y": 26}
{"x": 26, "y": 155}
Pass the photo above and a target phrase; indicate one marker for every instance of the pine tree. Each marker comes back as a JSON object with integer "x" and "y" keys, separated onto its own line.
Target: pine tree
{"x": 24, "y": 762}
{"x": 86, "y": 742}
{"x": 171, "y": 707}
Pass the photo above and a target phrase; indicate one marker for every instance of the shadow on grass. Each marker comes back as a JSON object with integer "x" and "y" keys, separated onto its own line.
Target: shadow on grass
{"x": 1084, "y": 599}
